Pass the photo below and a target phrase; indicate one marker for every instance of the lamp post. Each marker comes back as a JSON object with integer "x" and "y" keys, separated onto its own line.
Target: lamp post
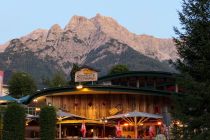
{"x": 104, "y": 121}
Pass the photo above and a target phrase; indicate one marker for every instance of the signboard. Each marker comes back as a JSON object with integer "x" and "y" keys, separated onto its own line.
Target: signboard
{"x": 86, "y": 75}
{"x": 1, "y": 82}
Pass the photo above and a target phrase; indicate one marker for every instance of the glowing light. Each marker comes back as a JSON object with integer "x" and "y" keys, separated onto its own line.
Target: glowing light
{"x": 60, "y": 118}
{"x": 105, "y": 121}
{"x": 125, "y": 124}
{"x": 178, "y": 123}
{"x": 141, "y": 124}
{"x": 79, "y": 86}
{"x": 37, "y": 109}
{"x": 85, "y": 89}
{"x": 35, "y": 100}
{"x": 91, "y": 130}
{"x": 159, "y": 123}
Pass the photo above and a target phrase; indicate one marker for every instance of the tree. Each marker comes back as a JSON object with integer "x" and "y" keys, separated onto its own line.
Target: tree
{"x": 193, "y": 45}
{"x": 47, "y": 123}
{"x": 120, "y": 68}
{"x": 74, "y": 69}
{"x": 14, "y": 123}
{"x": 21, "y": 84}
{"x": 58, "y": 80}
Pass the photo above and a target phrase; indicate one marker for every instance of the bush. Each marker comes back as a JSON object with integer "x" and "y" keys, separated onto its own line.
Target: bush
{"x": 14, "y": 122}
{"x": 47, "y": 123}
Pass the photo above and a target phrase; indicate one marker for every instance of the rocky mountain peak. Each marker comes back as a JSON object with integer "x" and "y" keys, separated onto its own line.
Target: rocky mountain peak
{"x": 82, "y": 37}
{"x": 56, "y": 28}
{"x": 75, "y": 22}
{"x": 54, "y": 33}
{"x": 34, "y": 35}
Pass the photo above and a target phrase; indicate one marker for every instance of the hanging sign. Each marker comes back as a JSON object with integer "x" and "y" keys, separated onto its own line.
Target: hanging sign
{"x": 85, "y": 75}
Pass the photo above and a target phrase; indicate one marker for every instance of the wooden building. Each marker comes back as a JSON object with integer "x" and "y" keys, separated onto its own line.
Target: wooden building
{"x": 148, "y": 92}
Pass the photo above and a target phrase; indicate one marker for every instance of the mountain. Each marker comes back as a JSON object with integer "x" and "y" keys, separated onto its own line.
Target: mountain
{"x": 99, "y": 42}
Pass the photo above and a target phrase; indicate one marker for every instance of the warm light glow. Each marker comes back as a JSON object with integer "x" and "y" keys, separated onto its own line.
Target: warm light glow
{"x": 159, "y": 123}
{"x": 178, "y": 123}
{"x": 125, "y": 124}
{"x": 141, "y": 124}
{"x": 105, "y": 121}
{"x": 60, "y": 118}
{"x": 85, "y": 89}
{"x": 37, "y": 109}
{"x": 91, "y": 130}
{"x": 79, "y": 87}
{"x": 181, "y": 125}
{"x": 35, "y": 100}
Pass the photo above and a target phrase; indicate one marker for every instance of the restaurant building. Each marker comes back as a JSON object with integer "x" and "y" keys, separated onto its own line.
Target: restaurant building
{"x": 96, "y": 102}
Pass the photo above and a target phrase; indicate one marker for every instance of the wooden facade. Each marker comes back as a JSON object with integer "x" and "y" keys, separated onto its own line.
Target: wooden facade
{"x": 96, "y": 106}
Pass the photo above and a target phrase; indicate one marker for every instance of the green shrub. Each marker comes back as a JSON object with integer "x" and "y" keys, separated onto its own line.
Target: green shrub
{"x": 47, "y": 123}
{"x": 14, "y": 122}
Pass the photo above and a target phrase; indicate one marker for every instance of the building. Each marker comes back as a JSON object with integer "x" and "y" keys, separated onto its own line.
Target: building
{"x": 140, "y": 91}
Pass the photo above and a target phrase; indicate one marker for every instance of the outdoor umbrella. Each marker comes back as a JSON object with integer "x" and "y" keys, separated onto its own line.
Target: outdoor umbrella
{"x": 63, "y": 115}
{"x": 136, "y": 118}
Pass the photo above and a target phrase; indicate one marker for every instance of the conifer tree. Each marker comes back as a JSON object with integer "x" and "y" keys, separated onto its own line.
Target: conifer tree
{"x": 74, "y": 69}
{"x": 193, "y": 45}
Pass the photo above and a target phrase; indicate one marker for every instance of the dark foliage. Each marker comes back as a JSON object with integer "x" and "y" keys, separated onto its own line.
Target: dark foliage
{"x": 14, "y": 123}
{"x": 21, "y": 84}
{"x": 48, "y": 123}
{"x": 193, "y": 44}
{"x": 120, "y": 68}
{"x": 74, "y": 69}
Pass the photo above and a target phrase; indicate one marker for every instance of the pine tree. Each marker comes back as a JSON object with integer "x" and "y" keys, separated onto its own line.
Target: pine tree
{"x": 120, "y": 68}
{"x": 74, "y": 69}
{"x": 193, "y": 45}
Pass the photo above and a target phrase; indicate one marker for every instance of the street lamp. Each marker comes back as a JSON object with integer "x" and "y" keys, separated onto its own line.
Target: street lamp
{"x": 104, "y": 121}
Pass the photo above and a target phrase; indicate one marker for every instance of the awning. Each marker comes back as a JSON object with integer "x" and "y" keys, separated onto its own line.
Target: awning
{"x": 23, "y": 99}
{"x": 7, "y": 98}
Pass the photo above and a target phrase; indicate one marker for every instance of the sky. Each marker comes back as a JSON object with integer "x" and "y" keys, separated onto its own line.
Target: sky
{"x": 152, "y": 17}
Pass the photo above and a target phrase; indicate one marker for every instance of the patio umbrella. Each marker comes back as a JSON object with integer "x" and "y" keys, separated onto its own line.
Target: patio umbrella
{"x": 136, "y": 118}
{"x": 63, "y": 115}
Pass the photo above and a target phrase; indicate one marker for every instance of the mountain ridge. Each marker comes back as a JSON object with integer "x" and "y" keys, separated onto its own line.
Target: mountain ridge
{"x": 82, "y": 36}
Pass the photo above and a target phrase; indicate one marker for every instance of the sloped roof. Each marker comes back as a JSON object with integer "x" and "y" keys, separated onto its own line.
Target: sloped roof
{"x": 8, "y": 98}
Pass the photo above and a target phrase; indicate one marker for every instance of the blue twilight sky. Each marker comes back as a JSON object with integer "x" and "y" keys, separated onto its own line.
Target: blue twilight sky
{"x": 152, "y": 17}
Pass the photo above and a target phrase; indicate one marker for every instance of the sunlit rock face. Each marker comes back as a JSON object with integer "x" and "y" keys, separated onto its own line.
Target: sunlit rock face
{"x": 82, "y": 37}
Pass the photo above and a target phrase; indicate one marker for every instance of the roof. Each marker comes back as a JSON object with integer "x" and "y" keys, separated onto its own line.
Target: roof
{"x": 8, "y": 98}
{"x": 98, "y": 88}
{"x": 138, "y": 73}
